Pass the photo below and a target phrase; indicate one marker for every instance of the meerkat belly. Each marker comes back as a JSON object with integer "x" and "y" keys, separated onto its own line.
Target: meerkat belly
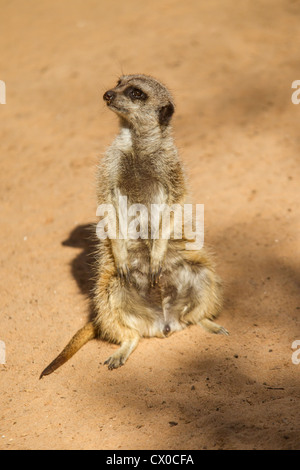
{"x": 143, "y": 306}
{"x": 162, "y": 329}
{"x": 153, "y": 325}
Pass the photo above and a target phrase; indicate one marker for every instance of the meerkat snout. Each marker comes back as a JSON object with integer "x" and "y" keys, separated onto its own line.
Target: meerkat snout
{"x": 109, "y": 96}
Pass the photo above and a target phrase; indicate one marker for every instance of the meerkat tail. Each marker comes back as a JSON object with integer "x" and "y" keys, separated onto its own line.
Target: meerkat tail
{"x": 80, "y": 338}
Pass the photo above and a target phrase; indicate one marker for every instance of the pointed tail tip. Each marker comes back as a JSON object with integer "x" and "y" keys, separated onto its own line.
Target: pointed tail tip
{"x": 46, "y": 371}
{"x": 52, "y": 367}
{"x": 82, "y": 336}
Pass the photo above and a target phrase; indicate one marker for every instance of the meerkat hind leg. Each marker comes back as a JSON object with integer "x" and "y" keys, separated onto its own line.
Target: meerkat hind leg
{"x": 213, "y": 327}
{"x": 119, "y": 358}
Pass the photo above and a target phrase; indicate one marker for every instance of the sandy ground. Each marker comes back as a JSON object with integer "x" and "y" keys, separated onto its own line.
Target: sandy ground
{"x": 230, "y": 66}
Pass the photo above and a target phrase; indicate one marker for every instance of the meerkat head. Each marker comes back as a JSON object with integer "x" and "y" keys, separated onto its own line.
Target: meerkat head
{"x": 141, "y": 101}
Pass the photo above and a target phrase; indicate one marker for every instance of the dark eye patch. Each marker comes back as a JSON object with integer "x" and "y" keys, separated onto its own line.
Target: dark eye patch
{"x": 135, "y": 93}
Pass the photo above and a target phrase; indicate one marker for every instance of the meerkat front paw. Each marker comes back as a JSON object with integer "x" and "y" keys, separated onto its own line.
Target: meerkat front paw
{"x": 157, "y": 257}
{"x": 123, "y": 273}
{"x": 155, "y": 274}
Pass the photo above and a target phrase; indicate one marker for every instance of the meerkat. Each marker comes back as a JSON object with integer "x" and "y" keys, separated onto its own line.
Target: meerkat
{"x": 148, "y": 287}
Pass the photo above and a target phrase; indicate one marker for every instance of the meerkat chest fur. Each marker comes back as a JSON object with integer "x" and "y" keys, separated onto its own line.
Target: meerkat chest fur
{"x": 145, "y": 169}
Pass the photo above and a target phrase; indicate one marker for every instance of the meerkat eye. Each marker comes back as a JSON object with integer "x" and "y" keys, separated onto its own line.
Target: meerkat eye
{"x": 119, "y": 82}
{"x": 136, "y": 94}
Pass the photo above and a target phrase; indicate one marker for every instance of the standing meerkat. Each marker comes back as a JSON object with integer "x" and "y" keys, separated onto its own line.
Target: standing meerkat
{"x": 144, "y": 287}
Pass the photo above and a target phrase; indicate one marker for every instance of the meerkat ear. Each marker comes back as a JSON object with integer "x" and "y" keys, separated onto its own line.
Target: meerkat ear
{"x": 165, "y": 113}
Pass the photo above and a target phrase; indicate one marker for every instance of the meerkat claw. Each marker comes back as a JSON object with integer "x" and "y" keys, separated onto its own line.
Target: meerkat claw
{"x": 114, "y": 362}
{"x": 155, "y": 276}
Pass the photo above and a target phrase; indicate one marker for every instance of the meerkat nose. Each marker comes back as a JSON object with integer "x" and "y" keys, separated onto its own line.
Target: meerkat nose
{"x": 109, "y": 96}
